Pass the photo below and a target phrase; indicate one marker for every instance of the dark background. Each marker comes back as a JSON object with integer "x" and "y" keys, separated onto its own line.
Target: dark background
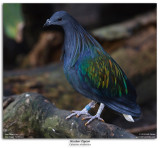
{"x": 89, "y": 15}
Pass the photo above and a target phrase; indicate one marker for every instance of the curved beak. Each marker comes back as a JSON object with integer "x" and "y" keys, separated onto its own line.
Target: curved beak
{"x": 48, "y": 23}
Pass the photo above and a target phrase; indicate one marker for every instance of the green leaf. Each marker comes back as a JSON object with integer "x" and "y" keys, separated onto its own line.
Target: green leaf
{"x": 12, "y": 16}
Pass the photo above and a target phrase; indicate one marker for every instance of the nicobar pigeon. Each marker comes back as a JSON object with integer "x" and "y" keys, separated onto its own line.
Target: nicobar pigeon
{"x": 93, "y": 72}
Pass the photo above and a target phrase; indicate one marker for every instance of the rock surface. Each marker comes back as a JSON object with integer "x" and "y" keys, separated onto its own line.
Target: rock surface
{"x": 30, "y": 115}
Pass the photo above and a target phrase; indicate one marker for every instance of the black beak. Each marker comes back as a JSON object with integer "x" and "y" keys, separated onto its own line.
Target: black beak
{"x": 48, "y": 23}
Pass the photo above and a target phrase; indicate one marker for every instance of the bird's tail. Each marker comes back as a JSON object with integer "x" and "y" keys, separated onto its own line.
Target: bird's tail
{"x": 128, "y": 118}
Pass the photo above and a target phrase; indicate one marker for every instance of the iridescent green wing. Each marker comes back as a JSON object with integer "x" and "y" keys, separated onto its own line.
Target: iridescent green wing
{"x": 103, "y": 73}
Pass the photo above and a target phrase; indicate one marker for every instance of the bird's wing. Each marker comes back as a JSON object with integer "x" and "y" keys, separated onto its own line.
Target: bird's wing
{"x": 104, "y": 74}
{"x": 104, "y": 78}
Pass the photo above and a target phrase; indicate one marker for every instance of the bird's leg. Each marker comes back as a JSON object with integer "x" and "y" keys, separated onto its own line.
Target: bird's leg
{"x": 84, "y": 111}
{"x": 91, "y": 118}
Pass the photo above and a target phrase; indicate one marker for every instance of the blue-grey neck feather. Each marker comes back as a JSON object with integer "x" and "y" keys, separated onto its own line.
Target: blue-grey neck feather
{"x": 77, "y": 41}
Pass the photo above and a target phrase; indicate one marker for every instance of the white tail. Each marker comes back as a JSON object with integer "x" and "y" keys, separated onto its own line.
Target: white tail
{"x": 128, "y": 118}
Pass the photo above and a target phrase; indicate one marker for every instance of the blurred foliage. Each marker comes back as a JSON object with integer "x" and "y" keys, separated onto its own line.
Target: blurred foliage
{"x": 12, "y": 16}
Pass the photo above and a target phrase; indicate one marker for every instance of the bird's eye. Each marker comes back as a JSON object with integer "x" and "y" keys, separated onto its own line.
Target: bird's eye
{"x": 59, "y": 19}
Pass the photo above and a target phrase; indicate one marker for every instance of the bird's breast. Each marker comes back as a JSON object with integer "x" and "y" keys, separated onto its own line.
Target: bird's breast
{"x": 73, "y": 78}
{"x": 70, "y": 74}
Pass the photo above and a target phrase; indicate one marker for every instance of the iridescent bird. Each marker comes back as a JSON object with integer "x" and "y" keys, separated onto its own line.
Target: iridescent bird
{"x": 93, "y": 72}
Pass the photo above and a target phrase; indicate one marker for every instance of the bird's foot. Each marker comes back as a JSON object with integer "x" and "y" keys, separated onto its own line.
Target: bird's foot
{"x": 78, "y": 113}
{"x": 91, "y": 118}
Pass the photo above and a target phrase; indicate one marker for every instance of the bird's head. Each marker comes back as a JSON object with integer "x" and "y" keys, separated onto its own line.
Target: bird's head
{"x": 60, "y": 18}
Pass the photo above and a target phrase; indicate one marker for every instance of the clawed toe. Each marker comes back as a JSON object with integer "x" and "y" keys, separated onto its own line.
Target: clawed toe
{"x": 77, "y": 113}
{"x": 87, "y": 117}
{"x": 85, "y": 112}
{"x": 70, "y": 115}
{"x": 91, "y": 118}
